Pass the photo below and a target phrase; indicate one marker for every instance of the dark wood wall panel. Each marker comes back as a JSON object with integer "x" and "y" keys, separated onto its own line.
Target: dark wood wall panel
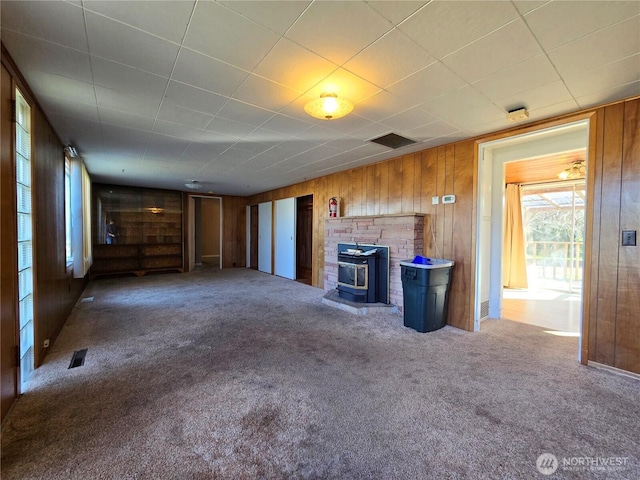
{"x": 8, "y": 254}
{"x": 627, "y": 328}
{"x": 609, "y": 233}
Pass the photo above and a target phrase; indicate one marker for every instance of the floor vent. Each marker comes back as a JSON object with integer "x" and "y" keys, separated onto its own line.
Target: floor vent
{"x": 393, "y": 140}
{"x": 78, "y": 358}
{"x": 484, "y": 309}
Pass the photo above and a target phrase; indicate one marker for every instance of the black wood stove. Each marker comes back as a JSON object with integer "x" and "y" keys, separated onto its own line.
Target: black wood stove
{"x": 358, "y": 275}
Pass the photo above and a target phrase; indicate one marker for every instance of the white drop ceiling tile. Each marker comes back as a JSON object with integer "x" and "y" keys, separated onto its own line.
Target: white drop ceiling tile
{"x": 345, "y": 143}
{"x": 444, "y": 27}
{"x": 346, "y": 85}
{"x": 340, "y": 126}
{"x": 113, "y": 40}
{"x": 427, "y": 84}
{"x": 338, "y": 30}
{"x": 293, "y": 146}
{"x": 518, "y": 78}
{"x": 611, "y": 94}
{"x": 34, "y": 54}
{"x": 60, "y": 87}
{"x": 200, "y": 153}
{"x": 547, "y": 111}
{"x": 232, "y": 158}
{"x": 161, "y": 146}
{"x": 207, "y": 73}
{"x": 545, "y": 95}
{"x": 390, "y": 59}
{"x": 294, "y": 66}
{"x": 127, "y": 102}
{"x": 396, "y": 12}
{"x": 600, "y": 48}
{"x": 314, "y": 155}
{"x": 192, "y": 98}
{"x": 503, "y": 48}
{"x": 457, "y": 103}
{"x": 223, "y": 34}
{"x": 182, "y": 131}
{"x": 384, "y": 104}
{"x": 277, "y": 16}
{"x": 125, "y": 119}
{"x": 81, "y": 133}
{"x": 127, "y": 80}
{"x": 287, "y": 125}
{"x": 230, "y": 128}
{"x": 74, "y": 109}
{"x": 608, "y": 76}
{"x": 261, "y": 162}
{"x": 256, "y": 147}
{"x": 373, "y": 130}
{"x": 409, "y": 119}
{"x": 432, "y": 130}
{"x": 183, "y": 116}
{"x": 124, "y": 140}
{"x": 525, "y": 6}
{"x": 244, "y": 113}
{"x": 557, "y": 23}
{"x": 476, "y": 116}
{"x": 262, "y": 136}
{"x": 166, "y": 19}
{"x": 44, "y": 20}
{"x": 265, "y": 93}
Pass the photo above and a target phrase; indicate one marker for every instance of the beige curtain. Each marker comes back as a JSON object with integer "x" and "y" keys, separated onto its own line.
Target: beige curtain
{"x": 514, "y": 264}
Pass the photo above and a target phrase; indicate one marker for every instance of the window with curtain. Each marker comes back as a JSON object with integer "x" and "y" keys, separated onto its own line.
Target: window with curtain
{"x": 25, "y": 234}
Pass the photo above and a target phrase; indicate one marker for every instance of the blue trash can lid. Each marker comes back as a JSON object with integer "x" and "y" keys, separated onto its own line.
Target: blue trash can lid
{"x": 433, "y": 263}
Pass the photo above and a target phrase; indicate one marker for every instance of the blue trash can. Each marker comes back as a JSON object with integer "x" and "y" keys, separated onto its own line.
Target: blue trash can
{"x": 425, "y": 290}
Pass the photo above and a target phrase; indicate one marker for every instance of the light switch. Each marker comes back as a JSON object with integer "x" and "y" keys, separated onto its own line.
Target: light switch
{"x": 628, "y": 238}
{"x": 435, "y": 200}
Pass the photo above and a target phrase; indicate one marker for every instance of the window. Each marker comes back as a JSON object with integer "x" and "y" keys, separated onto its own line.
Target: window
{"x": 25, "y": 235}
{"x": 67, "y": 212}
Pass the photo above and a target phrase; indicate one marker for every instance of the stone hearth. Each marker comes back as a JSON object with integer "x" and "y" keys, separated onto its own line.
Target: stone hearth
{"x": 402, "y": 233}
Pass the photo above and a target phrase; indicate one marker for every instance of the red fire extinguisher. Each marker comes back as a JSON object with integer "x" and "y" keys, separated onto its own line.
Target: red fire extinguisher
{"x": 333, "y": 207}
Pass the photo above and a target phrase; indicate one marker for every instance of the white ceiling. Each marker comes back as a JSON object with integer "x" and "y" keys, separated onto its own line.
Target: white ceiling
{"x": 160, "y": 93}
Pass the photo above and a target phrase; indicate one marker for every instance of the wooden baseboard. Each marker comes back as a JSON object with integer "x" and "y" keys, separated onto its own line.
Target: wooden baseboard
{"x": 618, "y": 371}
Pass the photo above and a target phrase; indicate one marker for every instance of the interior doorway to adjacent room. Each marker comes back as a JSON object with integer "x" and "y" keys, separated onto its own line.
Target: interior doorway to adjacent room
{"x": 205, "y": 246}
{"x": 530, "y": 161}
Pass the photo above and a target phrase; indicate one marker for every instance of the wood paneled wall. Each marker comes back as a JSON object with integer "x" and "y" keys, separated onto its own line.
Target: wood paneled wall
{"x": 56, "y": 291}
{"x": 405, "y": 185}
{"x": 614, "y": 292}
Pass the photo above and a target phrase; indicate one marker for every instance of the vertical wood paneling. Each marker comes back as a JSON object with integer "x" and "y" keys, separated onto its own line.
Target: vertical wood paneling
{"x": 609, "y": 234}
{"x": 417, "y": 184}
{"x": 8, "y": 252}
{"x": 382, "y": 185}
{"x": 450, "y": 172}
{"x": 370, "y": 178}
{"x": 627, "y": 326}
{"x": 408, "y": 182}
{"x": 440, "y": 208}
{"x": 460, "y": 314}
{"x": 395, "y": 186}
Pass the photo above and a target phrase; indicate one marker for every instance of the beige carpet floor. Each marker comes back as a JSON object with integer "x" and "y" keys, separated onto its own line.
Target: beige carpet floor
{"x": 235, "y": 374}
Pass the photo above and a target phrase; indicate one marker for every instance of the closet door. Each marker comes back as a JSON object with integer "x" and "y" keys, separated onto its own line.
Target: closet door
{"x": 264, "y": 237}
{"x": 285, "y": 238}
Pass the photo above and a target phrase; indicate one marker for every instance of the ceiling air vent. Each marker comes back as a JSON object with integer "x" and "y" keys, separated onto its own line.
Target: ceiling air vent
{"x": 392, "y": 140}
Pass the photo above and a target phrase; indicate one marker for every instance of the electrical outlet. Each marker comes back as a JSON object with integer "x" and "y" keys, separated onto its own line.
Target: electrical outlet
{"x": 628, "y": 238}
{"x": 46, "y": 343}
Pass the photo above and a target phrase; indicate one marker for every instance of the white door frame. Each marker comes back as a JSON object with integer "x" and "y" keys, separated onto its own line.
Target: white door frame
{"x": 519, "y": 147}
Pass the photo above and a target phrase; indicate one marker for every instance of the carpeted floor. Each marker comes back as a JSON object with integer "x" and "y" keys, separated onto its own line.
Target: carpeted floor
{"x": 235, "y": 374}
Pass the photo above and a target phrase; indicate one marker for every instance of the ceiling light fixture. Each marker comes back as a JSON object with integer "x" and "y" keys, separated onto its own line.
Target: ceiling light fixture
{"x": 328, "y": 107}
{"x": 193, "y": 185}
{"x": 577, "y": 169}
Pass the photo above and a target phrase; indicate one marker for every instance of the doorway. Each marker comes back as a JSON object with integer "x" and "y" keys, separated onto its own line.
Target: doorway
{"x": 304, "y": 239}
{"x": 205, "y": 244}
{"x": 558, "y": 144}
{"x": 553, "y": 221}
